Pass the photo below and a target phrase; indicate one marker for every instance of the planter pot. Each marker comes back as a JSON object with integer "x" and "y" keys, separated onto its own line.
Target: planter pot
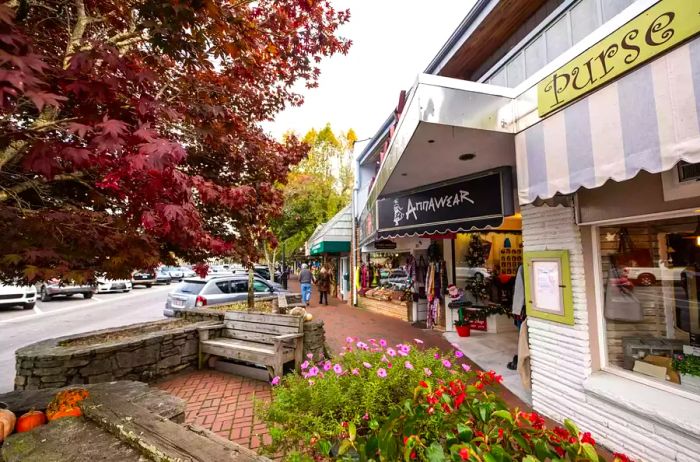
{"x": 692, "y": 382}
{"x": 463, "y": 331}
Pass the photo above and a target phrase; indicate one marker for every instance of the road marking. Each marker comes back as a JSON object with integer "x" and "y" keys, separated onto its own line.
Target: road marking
{"x": 91, "y": 302}
{"x": 37, "y": 309}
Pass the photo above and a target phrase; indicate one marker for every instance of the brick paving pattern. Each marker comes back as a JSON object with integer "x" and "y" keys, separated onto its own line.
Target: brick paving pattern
{"x": 222, "y": 403}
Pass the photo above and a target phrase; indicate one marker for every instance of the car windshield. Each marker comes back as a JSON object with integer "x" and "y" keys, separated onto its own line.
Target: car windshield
{"x": 190, "y": 287}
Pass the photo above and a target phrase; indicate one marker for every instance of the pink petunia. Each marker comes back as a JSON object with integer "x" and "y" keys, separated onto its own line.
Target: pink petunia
{"x": 381, "y": 372}
{"x": 391, "y": 352}
{"x": 418, "y": 341}
{"x": 466, "y": 367}
{"x": 437, "y": 356}
{"x": 310, "y": 355}
{"x": 405, "y": 348}
{"x": 384, "y": 359}
{"x": 338, "y": 369}
{"x": 327, "y": 366}
{"x": 408, "y": 365}
{"x": 365, "y": 417}
{"x": 348, "y": 340}
{"x": 402, "y": 353}
{"x": 382, "y": 343}
{"x": 362, "y": 345}
{"x": 313, "y": 372}
{"x": 275, "y": 381}
{"x": 459, "y": 354}
{"x": 367, "y": 365}
{"x": 356, "y": 371}
{"x": 373, "y": 341}
{"x": 427, "y": 372}
{"x": 446, "y": 363}
{"x": 304, "y": 365}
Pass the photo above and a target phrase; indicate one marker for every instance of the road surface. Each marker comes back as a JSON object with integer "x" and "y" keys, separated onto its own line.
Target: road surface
{"x": 66, "y": 316}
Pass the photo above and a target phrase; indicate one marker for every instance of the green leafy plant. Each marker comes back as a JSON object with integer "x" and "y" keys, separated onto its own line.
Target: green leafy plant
{"x": 687, "y": 364}
{"x": 376, "y": 404}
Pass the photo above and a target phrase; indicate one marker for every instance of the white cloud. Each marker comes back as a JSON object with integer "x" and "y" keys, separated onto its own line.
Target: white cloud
{"x": 393, "y": 41}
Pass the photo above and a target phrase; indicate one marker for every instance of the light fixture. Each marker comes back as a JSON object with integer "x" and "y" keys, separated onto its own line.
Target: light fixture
{"x": 467, "y": 156}
{"x": 431, "y": 141}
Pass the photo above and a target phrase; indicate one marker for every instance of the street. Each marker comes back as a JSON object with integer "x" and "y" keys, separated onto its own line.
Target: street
{"x": 66, "y": 316}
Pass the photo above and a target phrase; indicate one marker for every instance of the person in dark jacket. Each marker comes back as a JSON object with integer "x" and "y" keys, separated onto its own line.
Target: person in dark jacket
{"x": 324, "y": 284}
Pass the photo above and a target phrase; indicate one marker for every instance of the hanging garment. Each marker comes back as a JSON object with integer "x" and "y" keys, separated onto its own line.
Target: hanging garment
{"x": 519, "y": 293}
{"x": 443, "y": 279}
{"x": 411, "y": 267}
{"x": 421, "y": 269}
{"x": 524, "y": 357}
{"x": 431, "y": 321}
{"x": 430, "y": 282}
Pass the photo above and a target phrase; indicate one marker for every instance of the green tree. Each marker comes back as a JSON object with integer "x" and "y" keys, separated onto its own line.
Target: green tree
{"x": 317, "y": 188}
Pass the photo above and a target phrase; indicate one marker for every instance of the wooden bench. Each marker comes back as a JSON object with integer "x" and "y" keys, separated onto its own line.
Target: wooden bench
{"x": 284, "y": 306}
{"x": 267, "y": 339}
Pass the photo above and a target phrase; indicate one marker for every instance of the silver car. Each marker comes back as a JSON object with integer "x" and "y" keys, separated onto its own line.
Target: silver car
{"x": 51, "y": 288}
{"x": 215, "y": 290}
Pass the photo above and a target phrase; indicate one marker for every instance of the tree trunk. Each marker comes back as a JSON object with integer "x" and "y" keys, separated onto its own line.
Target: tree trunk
{"x": 251, "y": 291}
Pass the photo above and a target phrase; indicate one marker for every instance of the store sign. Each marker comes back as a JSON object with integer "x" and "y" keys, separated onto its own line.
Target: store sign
{"x": 659, "y": 28}
{"x": 477, "y": 202}
{"x": 385, "y": 245}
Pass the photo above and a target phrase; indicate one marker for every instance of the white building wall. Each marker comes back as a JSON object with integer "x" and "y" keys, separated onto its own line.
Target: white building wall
{"x": 561, "y": 359}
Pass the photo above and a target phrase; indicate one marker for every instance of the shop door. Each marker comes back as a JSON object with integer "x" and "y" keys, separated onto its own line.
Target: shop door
{"x": 344, "y": 281}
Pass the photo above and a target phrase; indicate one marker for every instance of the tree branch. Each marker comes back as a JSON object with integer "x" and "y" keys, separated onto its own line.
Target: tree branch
{"x": 8, "y": 193}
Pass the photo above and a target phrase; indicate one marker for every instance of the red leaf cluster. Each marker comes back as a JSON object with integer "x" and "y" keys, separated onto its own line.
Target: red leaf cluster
{"x": 133, "y": 136}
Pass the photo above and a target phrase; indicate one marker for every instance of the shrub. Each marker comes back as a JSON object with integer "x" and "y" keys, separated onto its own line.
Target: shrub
{"x": 687, "y": 364}
{"x": 380, "y": 403}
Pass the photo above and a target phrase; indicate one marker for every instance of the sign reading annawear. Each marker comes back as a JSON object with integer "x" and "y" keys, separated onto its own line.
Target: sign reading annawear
{"x": 478, "y": 201}
{"x": 659, "y": 28}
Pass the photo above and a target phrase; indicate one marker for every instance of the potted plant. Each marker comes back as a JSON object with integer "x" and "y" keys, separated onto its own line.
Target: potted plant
{"x": 689, "y": 368}
{"x": 463, "y": 327}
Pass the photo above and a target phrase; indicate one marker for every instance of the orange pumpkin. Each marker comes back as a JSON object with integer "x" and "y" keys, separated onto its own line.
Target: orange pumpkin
{"x": 65, "y": 404}
{"x": 30, "y": 421}
{"x": 7, "y": 423}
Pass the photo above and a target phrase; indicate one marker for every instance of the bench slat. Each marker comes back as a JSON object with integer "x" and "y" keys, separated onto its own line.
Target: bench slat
{"x": 267, "y": 329}
{"x": 251, "y": 353}
{"x": 272, "y": 319}
{"x": 259, "y": 337}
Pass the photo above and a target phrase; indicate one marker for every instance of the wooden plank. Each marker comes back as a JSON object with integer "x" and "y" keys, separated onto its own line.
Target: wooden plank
{"x": 252, "y": 356}
{"x": 240, "y": 345}
{"x": 273, "y": 319}
{"x": 268, "y": 329}
{"x": 163, "y": 440}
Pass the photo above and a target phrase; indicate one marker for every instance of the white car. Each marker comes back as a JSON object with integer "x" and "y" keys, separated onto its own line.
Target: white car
{"x": 109, "y": 285}
{"x": 648, "y": 276}
{"x": 469, "y": 273}
{"x": 11, "y": 295}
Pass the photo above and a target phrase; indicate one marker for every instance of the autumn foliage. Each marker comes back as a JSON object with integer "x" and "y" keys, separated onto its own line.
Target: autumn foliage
{"x": 129, "y": 129}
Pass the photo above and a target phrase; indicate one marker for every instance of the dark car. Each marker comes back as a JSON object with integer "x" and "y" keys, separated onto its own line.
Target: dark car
{"x": 143, "y": 278}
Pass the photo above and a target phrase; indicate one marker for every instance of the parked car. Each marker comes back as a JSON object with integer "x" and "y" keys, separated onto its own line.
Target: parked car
{"x": 143, "y": 278}
{"x": 16, "y": 295}
{"x": 188, "y": 272}
{"x": 54, "y": 287}
{"x": 472, "y": 273}
{"x": 198, "y": 292}
{"x": 163, "y": 277}
{"x": 112, "y": 285}
{"x": 648, "y": 276}
{"x": 397, "y": 278}
{"x": 175, "y": 272}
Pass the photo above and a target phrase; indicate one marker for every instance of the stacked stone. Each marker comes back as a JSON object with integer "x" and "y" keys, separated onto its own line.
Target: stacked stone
{"x": 315, "y": 339}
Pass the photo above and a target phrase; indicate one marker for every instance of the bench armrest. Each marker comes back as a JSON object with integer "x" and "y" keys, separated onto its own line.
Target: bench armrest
{"x": 212, "y": 327}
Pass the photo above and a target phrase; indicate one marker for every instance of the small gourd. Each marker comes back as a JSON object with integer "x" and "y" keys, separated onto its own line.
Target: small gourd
{"x": 65, "y": 404}
{"x": 308, "y": 317}
{"x": 7, "y": 423}
{"x": 30, "y": 421}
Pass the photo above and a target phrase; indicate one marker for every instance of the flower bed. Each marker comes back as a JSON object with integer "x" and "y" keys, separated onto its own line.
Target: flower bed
{"x": 385, "y": 403}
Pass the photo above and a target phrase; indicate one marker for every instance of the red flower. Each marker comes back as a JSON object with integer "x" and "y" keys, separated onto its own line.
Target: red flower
{"x": 560, "y": 451}
{"x": 619, "y": 457}
{"x": 561, "y": 432}
{"x": 479, "y": 385}
{"x": 500, "y": 433}
{"x": 423, "y": 384}
{"x": 459, "y": 400}
{"x": 413, "y": 454}
{"x": 587, "y": 438}
{"x": 464, "y": 453}
{"x": 405, "y": 439}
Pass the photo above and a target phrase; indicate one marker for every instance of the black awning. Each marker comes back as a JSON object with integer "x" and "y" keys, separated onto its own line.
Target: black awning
{"x": 464, "y": 204}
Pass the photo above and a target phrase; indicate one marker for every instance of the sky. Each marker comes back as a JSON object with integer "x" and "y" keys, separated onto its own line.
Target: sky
{"x": 393, "y": 41}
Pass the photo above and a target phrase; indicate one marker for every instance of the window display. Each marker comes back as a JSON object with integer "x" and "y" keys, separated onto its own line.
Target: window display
{"x": 651, "y": 283}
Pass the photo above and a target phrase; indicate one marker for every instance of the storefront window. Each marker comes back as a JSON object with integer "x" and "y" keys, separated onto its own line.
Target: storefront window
{"x": 651, "y": 281}
{"x": 501, "y": 254}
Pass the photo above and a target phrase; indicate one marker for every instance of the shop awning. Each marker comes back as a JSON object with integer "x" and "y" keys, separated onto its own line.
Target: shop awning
{"x": 475, "y": 202}
{"x": 647, "y": 120}
{"x": 333, "y": 236}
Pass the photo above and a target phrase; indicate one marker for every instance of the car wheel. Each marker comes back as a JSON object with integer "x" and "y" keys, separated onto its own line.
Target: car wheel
{"x": 45, "y": 297}
{"x": 28, "y": 306}
{"x": 126, "y": 291}
{"x": 646, "y": 279}
{"x": 167, "y": 283}
{"x": 87, "y": 295}
{"x": 148, "y": 286}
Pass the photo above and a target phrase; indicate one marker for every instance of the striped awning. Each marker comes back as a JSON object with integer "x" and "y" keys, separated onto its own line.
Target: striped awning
{"x": 647, "y": 120}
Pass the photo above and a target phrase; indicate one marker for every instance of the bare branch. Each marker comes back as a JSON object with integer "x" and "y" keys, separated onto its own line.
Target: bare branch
{"x": 8, "y": 193}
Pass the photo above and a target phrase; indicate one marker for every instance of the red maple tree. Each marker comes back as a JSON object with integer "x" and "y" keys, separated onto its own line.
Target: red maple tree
{"x": 130, "y": 129}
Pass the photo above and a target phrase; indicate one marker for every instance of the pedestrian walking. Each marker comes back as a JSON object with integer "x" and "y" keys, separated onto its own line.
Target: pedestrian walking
{"x": 305, "y": 280}
{"x": 324, "y": 284}
{"x": 284, "y": 276}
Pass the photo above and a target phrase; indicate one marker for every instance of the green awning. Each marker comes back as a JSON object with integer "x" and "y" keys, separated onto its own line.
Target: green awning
{"x": 330, "y": 247}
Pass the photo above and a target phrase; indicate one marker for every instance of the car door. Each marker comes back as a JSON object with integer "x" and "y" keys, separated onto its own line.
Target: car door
{"x": 217, "y": 292}
{"x": 261, "y": 289}
{"x": 239, "y": 290}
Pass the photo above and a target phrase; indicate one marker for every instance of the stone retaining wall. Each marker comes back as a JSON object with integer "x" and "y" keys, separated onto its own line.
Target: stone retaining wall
{"x": 139, "y": 356}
